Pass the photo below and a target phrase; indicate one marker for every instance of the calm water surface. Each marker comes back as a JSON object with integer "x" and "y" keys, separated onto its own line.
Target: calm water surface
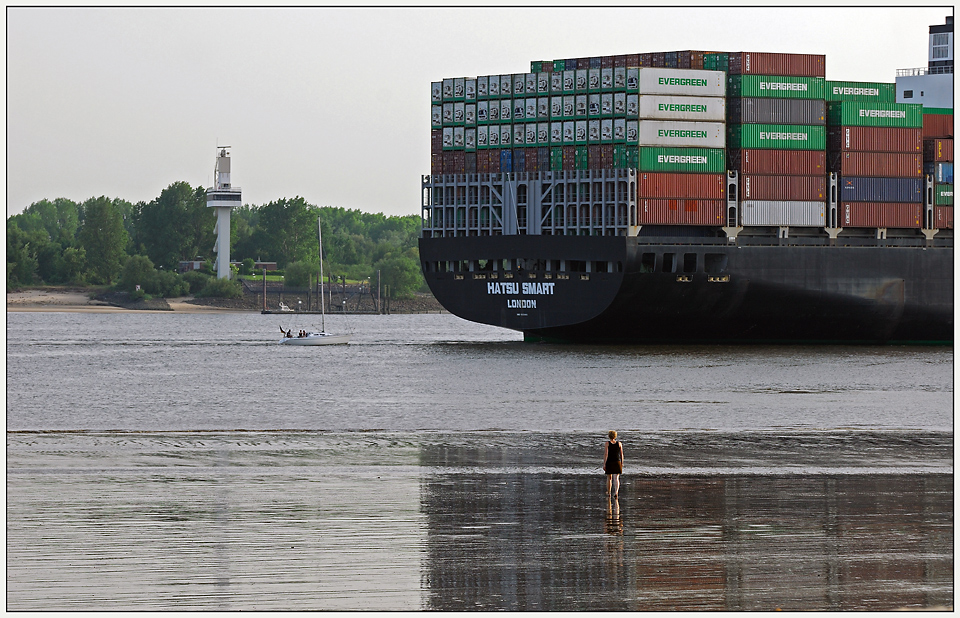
{"x": 175, "y": 461}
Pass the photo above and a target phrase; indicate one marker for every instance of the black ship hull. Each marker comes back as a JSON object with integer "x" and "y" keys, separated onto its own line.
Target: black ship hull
{"x": 683, "y": 290}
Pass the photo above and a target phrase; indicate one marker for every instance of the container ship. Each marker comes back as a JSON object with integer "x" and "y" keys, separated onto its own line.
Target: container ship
{"x": 695, "y": 196}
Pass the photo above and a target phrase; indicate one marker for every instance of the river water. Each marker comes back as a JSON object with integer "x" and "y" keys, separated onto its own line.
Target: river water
{"x": 185, "y": 461}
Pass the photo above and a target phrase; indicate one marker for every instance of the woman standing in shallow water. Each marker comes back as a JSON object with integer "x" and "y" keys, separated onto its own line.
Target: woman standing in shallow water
{"x": 613, "y": 462}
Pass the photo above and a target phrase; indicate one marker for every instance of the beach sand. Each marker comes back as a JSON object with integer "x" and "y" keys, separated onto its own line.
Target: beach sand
{"x": 79, "y": 301}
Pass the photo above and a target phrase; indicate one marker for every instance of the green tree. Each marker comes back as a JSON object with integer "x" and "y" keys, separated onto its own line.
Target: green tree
{"x": 137, "y": 270}
{"x": 401, "y": 273}
{"x": 298, "y": 274}
{"x": 103, "y": 237}
{"x": 21, "y": 262}
{"x": 290, "y": 229}
{"x": 175, "y": 226}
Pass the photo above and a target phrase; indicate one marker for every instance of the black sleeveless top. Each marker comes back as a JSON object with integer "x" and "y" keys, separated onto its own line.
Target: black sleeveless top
{"x": 614, "y": 462}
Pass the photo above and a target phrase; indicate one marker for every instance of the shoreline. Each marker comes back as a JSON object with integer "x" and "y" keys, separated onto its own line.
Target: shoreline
{"x": 75, "y": 301}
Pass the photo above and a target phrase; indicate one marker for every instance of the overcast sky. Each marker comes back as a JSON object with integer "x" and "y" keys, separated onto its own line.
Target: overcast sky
{"x": 334, "y": 104}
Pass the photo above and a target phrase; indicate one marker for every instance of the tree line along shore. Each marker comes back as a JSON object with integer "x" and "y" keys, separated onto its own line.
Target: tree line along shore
{"x": 137, "y": 248}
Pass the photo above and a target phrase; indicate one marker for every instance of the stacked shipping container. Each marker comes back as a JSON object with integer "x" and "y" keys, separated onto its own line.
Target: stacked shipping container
{"x": 676, "y": 118}
{"x": 938, "y": 162}
{"x": 875, "y": 148}
{"x": 682, "y": 122}
{"x": 776, "y": 137}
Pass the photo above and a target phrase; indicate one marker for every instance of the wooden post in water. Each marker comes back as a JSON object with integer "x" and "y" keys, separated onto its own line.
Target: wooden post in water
{"x": 264, "y": 289}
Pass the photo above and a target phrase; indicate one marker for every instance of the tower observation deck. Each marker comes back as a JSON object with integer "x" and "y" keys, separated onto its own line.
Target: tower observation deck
{"x": 223, "y": 196}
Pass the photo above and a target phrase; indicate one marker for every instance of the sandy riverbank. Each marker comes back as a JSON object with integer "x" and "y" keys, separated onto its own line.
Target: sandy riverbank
{"x": 78, "y": 301}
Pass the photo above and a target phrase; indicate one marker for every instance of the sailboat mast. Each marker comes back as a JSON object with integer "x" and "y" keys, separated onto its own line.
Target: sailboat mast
{"x": 323, "y": 327}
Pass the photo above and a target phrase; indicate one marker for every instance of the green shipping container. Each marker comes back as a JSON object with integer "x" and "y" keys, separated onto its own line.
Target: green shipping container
{"x": 776, "y": 87}
{"x": 700, "y": 160}
{"x": 716, "y": 62}
{"x": 946, "y": 111}
{"x": 777, "y": 136}
{"x": 536, "y": 66}
{"x": 943, "y": 195}
{"x": 861, "y": 91}
{"x": 556, "y": 159}
{"x": 633, "y": 157}
{"x": 581, "y": 158}
{"x": 860, "y": 114}
{"x": 559, "y": 65}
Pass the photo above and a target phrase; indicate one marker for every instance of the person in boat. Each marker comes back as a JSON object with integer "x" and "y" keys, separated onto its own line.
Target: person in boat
{"x": 289, "y": 336}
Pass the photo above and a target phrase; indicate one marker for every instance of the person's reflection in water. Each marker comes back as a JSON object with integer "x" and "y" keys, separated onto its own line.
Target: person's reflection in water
{"x": 614, "y": 523}
{"x": 613, "y": 544}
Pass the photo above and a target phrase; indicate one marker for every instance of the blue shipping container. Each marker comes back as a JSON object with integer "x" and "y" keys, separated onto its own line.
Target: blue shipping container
{"x": 942, "y": 172}
{"x": 902, "y": 190}
{"x": 519, "y": 160}
{"x": 506, "y": 160}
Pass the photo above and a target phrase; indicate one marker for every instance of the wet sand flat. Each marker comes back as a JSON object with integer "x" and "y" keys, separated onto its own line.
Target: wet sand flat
{"x": 295, "y": 521}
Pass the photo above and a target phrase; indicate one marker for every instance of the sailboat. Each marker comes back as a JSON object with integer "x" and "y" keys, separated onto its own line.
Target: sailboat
{"x": 322, "y": 337}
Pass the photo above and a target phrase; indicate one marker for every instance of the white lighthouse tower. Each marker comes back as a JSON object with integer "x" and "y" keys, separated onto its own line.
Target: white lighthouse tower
{"x": 223, "y": 196}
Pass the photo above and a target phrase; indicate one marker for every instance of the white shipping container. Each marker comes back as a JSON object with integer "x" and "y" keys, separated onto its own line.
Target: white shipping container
{"x": 506, "y": 135}
{"x": 581, "y": 84}
{"x": 470, "y": 114}
{"x": 688, "y": 82}
{"x": 568, "y": 106}
{"x": 543, "y": 83}
{"x": 482, "y": 89}
{"x": 633, "y": 105}
{"x": 556, "y": 132}
{"x": 482, "y": 133}
{"x": 493, "y": 114}
{"x": 531, "y": 134}
{"x": 619, "y": 77}
{"x": 448, "y": 137}
{"x": 519, "y": 109}
{"x": 543, "y": 133}
{"x": 619, "y": 103}
{"x": 494, "y": 85}
{"x": 482, "y": 107}
{"x": 448, "y": 113}
{"x": 593, "y": 131}
{"x": 581, "y": 131}
{"x": 436, "y": 92}
{"x": 569, "y": 81}
{"x": 679, "y": 133}
{"x": 580, "y": 105}
{"x": 556, "y": 83}
{"x": 633, "y": 79}
{"x": 606, "y": 130}
{"x": 606, "y": 79}
{"x": 470, "y": 90}
{"x": 705, "y": 109}
{"x": 436, "y": 116}
{"x": 556, "y": 107}
{"x": 470, "y": 139}
{"x": 459, "y": 84}
{"x": 530, "y": 85}
{"x": 519, "y": 83}
{"x": 506, "y": 85}
{"x": 775, "y": 212}
{"x": 593, "y": 104}
{"x": 493, "y": 140}
{"x": 458, "y": 137}
{"x": 531, "y": 111}
{"x": 633, "y": 132}
{"x": 448, "y": 89}
{"x": 506, "y": 109}
{"x": 458, "y": 113}
{"x": 543, "y": 108}
{"x": 619, "y": 129}
{"x": 593, "y": 79}
{"x": 569, "y": 128}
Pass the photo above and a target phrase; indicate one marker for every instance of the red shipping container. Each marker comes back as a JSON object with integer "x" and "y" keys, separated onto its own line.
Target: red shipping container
{"x": 876, "y": 164}
{"x": 569, "y": 157}
{"x": 448, "y": 164}
{"x": 530, "y": 160}
{"x": 483, "y": 162}
{"x": 783, "y": 162}
{"x": 793, "y": 65}
{"x": 658, "y": 59}
{"x": 619, "y": 61}
{"x": 938, "y": 150}
{"x": 943, "y": 217}
{"x": 633, "y": 60}
{"x": 874, "y": 139}
{"x": 680, "y": 212}
{"x": 470, "y": 162}
{"x": 606, "y": 62}
{"x": 880, "y": 214}
{"x": 436, "y": 164}
{"x": 493, "y": 161}
{"x": 683, "y": 186}
{"x": 785, "y": 188}
{"x": 436, "y": 141}
{"x": 937, "y": 125}
{"x": 646, "y": 60}
{"x": 594, "y": 157}
{"x": 459, "y": 162}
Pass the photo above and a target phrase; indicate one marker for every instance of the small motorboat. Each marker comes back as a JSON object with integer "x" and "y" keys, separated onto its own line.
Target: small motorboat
{"x": 316, "y": 339}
